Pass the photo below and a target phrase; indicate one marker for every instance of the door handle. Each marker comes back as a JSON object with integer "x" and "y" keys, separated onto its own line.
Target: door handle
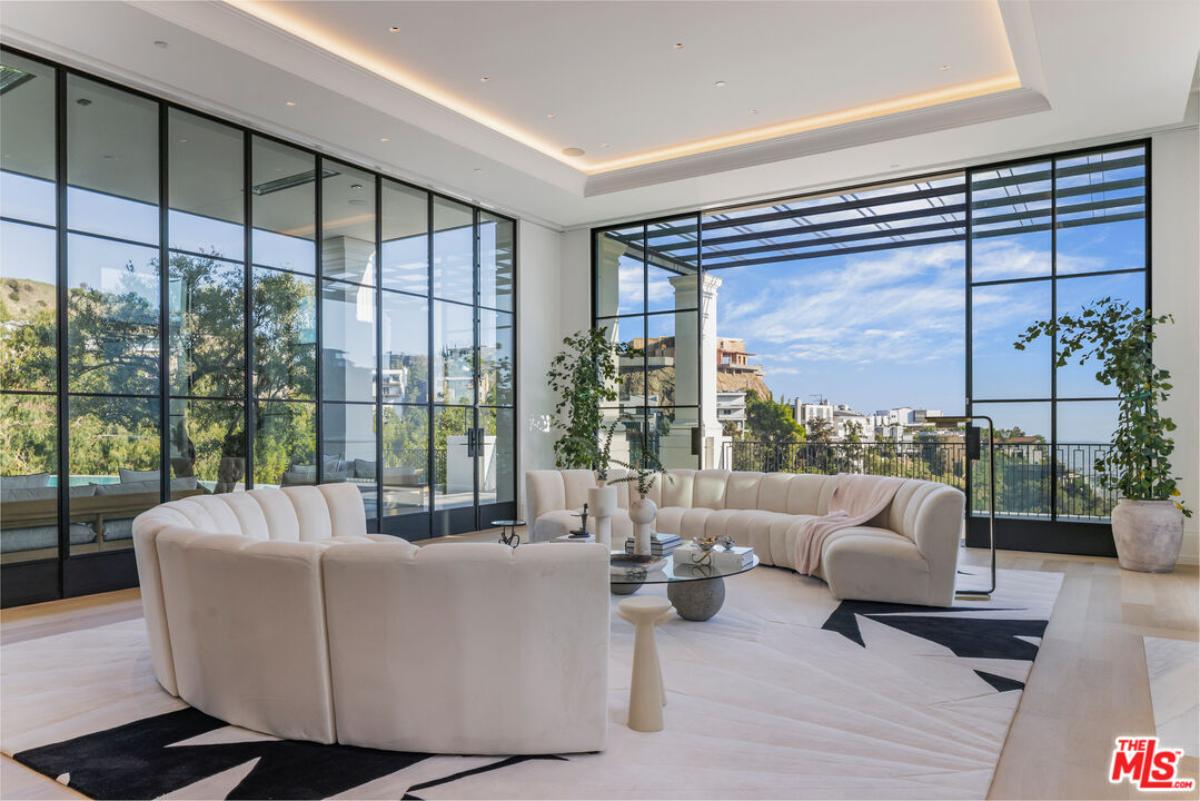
{"x": 471, "y": 442}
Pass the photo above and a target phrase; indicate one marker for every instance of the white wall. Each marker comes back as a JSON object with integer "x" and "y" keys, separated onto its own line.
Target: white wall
{"x": 1175, "y": 273}
{"x": 538, "y": 335}
{"x": 576, "y": 287}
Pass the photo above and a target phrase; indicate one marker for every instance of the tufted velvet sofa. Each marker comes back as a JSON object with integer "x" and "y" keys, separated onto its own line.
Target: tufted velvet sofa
{"x": 275, "y": 610}
{"x": 909, "y": 554}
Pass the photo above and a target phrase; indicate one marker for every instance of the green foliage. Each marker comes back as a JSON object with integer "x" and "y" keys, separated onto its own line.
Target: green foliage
{"x": 1120, "y": 337}
{"x": 27, "y": 345}
{"x": 584, "y": 376}
{"x": 27, "y": 435}
{"x": 770, "y": 422}
{"x": 112, "y": 339}
{"x": 113, "y": 346}
{"x": 643, "y": 471}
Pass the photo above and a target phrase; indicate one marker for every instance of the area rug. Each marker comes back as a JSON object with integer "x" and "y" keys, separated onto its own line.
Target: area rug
{"x": 786, "y": 693}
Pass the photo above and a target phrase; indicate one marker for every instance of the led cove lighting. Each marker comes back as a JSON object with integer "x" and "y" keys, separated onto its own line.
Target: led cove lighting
{"x": 277, "y": 15}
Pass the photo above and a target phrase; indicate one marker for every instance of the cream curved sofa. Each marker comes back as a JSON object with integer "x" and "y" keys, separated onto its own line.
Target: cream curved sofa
{"x": 275, "y": 611}
{"x": 908, "y": 554}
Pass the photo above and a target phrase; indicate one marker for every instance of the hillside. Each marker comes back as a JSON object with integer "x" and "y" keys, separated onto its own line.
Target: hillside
{"x": 24, "y": 294}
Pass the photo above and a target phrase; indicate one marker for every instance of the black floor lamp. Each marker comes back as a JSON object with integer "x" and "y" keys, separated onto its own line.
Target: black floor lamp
{"x": 973, "y": 453}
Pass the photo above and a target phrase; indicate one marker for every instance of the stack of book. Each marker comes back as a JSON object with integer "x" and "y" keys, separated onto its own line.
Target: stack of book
{"x": 660, "y": 544}
{"x": 734, "y": 558}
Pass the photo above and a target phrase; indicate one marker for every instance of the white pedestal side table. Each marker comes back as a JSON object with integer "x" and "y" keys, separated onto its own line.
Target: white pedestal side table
{"x": 647, "y": 696}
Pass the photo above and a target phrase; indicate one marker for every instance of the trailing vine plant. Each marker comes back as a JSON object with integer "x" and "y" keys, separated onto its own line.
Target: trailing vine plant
{"x": 1120, "y": 337}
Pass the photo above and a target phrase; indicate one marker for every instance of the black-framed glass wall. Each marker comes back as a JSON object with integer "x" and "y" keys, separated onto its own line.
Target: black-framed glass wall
{"x": 963, "y": 261}
{"x": 650, "y": 300}
{"x": 186, "y": 299}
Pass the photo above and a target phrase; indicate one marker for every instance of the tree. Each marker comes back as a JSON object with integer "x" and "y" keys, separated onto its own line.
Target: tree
{"x": 584, "y": 375}
{"x": 771, "y": 423}
{"x": 819, "y": 431}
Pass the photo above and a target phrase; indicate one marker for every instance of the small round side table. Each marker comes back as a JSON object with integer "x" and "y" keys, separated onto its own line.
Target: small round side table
{"x": 508, "y": 532}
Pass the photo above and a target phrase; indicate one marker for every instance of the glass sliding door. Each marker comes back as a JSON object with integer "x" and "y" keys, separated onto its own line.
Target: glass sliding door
{"x": 495, "y": 437}
{"x": 448, "y": 364}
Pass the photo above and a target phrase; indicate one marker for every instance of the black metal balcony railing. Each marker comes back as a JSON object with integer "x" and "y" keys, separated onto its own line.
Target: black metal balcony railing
{"x": 1029, "y": 483}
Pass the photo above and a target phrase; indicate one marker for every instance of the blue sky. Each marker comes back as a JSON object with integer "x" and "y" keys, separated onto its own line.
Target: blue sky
{"x": 886, "y": 329}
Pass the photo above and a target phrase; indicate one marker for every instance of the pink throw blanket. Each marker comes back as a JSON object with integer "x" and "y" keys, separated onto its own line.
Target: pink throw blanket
{"x": 856, "y": 499}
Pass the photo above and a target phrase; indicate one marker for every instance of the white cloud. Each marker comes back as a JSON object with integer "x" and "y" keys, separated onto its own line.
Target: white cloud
{"x": 903, "y": 305}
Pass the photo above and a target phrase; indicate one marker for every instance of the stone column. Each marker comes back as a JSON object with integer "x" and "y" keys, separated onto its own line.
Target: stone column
{"x": 696, "y": 359}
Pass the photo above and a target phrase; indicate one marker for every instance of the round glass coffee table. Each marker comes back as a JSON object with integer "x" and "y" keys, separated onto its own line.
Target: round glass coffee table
{"x": 696, "y": 591}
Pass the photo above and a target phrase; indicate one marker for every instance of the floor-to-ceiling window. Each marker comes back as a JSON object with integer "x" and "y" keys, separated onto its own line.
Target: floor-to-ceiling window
{"x": 190, "y": 307}
{"x": 860, "y": 312}
{"x": 1048, "y": 237}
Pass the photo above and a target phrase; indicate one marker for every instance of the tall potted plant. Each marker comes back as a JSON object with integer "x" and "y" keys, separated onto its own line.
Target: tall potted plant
{"x": 1147, "y": 522}
{"x": 584, "y": 374}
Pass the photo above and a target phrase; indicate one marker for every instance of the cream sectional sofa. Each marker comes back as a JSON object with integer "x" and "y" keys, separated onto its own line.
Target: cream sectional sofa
{"x": 274, "y": 610}
{"x": 908, "y": 554}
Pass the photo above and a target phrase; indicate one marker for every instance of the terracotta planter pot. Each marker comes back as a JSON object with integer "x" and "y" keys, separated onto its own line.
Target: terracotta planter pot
{"x": 1148, "y": 535}
{"x": 642, "y": 513}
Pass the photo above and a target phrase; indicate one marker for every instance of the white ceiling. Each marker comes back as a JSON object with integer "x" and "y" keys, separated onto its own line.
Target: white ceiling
{"x": 608, "y": 77}
{"x": 610, "y": 74}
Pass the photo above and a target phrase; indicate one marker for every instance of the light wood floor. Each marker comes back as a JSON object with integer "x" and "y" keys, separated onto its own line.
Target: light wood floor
{"x": 1088, "y": 685}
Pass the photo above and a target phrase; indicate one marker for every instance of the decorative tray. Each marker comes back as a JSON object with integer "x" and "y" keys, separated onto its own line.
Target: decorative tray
{"x": 628, "y": 561}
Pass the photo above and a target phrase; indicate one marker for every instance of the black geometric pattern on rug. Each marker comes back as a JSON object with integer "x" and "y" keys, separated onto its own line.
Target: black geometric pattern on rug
{"x": 139, "y": 761}
{"x": 1001, "y": 683}
{"x": 972, "y": 637}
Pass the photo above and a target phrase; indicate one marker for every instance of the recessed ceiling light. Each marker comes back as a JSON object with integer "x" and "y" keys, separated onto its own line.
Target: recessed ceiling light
{"x": 384, "y": 139}
{"x": 551, "y": 115}
{"x": 477, "y": 169}
{"x": 394, "y": 29}
{"x": 679, "y": 45}
{"x": 160, "y": 44}
{"x": 183, "y": 141}
{"x": 573, "y": 151}
{"x": 357, "y": 202}
{"x": 83, "y": 101}
{"x": 356, "y": 186}
{"x": 753, "y": 111}
{"x": 484, "y": 78}
{"x": 719, "y": 84}
{"x": 944, "y": 68}
{"x": 290, "y": 103}
{"x": 604, "y": 145}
